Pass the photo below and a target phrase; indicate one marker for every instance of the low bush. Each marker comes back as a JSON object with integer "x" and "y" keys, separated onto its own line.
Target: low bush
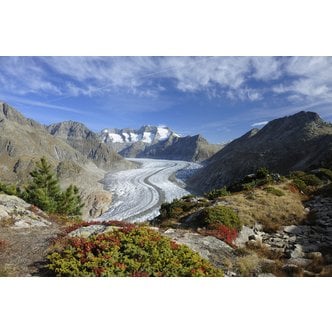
{"x": 8, "y": 189}
{"x": 307, "y": 178}
{"x": 213, "y": 194}
{"x": 274, "y": 191}
{"x": 262, "y": 173}
{"x": 300, "y": 185}
{"x": 311, "y": 180}
{"x": 224, "y": 233}
{"x": 129, "y": 251}
{"x": 176, "y": 208}
{"x": 215, "y": 216}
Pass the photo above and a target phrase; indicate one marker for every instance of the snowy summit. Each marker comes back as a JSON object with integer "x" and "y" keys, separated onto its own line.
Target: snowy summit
{"x": 146, "y": 134}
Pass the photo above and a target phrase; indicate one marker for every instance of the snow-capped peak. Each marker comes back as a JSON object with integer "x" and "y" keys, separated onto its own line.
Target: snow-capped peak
{"x": 146, "y": 134}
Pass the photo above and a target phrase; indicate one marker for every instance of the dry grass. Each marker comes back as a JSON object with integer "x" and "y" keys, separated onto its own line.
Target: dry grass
{"x": 270, "y": 210}
{"x": 248, "y": 265}
{"x": 7, "y": 222}
{"x": 7, "y": 271}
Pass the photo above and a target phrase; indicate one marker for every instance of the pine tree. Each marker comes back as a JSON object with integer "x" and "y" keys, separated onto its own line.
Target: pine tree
{"x": 70, "y": 202}
{"x": 43, "y": 190}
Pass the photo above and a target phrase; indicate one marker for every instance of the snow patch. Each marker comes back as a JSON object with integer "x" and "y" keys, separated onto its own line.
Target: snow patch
{"x": 164, "y": 133}
{"x": 133, "y": 137}
{"x": 116, "y": 138}
{"x": 147, "y": 137}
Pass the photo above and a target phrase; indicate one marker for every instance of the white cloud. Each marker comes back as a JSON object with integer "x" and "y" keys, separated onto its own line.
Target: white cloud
{"x": 237, "y": 78}
{"x": 257, "y": 124}
{"x": 267, "y": 68}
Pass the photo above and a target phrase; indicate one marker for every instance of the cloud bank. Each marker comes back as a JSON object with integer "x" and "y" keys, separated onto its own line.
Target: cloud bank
{"x": 295, "y": 79}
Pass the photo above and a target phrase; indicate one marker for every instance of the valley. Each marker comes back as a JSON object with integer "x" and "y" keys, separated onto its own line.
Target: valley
{"x": 139, "y": 193}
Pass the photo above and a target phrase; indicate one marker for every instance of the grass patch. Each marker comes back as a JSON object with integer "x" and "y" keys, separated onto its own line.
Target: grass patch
{"x": 270, "y": 210}
{"x": 274, "y": 191}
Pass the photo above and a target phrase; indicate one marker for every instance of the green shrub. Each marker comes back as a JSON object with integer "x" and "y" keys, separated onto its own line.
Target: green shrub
{"x": 213, "y": 194}
{"x": 274, "y": 191}
{"x": 297, "y": 174}
{"x": 176, "y": 208}
{"x": 8, "y": 189}
{"x": 129, "y": 251}
{"x": 249, "y": 186}
{"x": 311, "y": 180}
{"x": 308, "y": 179}
{"x": 300, "y": 185}
{"x": 216, "y": 215}
{"x": 262, "y": 173}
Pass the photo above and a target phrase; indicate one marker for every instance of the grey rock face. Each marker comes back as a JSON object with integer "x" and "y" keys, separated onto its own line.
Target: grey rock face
{"x": 88, "y": 143}
{"x": 290, "y": 143}
{"x": 15, "y": 212}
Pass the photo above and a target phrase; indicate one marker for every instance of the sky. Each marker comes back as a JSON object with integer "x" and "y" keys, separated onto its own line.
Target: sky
{"x": 219, "y": 97}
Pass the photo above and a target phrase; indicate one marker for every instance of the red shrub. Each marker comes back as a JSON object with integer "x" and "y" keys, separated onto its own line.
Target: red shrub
{"x": 223, "y": 233}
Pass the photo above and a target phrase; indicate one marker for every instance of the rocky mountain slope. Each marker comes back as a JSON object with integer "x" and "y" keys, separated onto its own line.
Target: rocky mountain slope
{"x": 296, "y": 142}
{"x": 190, "y": 148}
{"x": 88, "y": 143}
{"x": 158, "y": 143}
{"x": 24, "y": 141}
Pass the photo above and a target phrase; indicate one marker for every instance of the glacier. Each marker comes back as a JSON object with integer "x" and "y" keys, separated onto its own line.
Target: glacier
{"x": 139, "y": 193}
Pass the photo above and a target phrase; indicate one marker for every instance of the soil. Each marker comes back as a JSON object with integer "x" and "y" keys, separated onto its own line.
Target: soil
{"x": 23, "y": 251}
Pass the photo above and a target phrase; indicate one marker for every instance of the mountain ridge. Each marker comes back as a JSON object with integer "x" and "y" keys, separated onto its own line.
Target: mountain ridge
{"x": 81, "y": 138}
{"x": 159, "y": 142}
{"x": 295, "y": 142}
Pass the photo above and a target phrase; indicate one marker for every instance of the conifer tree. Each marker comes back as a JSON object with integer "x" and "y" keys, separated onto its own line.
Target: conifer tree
{"x": 70, "y": 202}
{"x": 43, "y": 190}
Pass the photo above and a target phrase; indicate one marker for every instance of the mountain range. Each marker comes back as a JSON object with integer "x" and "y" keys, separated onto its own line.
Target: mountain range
{"x": 80, "y": 156}
{"x": 297, "y": 142}
{"x": 158, "y": 142}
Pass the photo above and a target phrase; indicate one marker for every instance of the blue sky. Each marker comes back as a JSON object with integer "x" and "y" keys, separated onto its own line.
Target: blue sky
{"x": 218, "y": 97}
